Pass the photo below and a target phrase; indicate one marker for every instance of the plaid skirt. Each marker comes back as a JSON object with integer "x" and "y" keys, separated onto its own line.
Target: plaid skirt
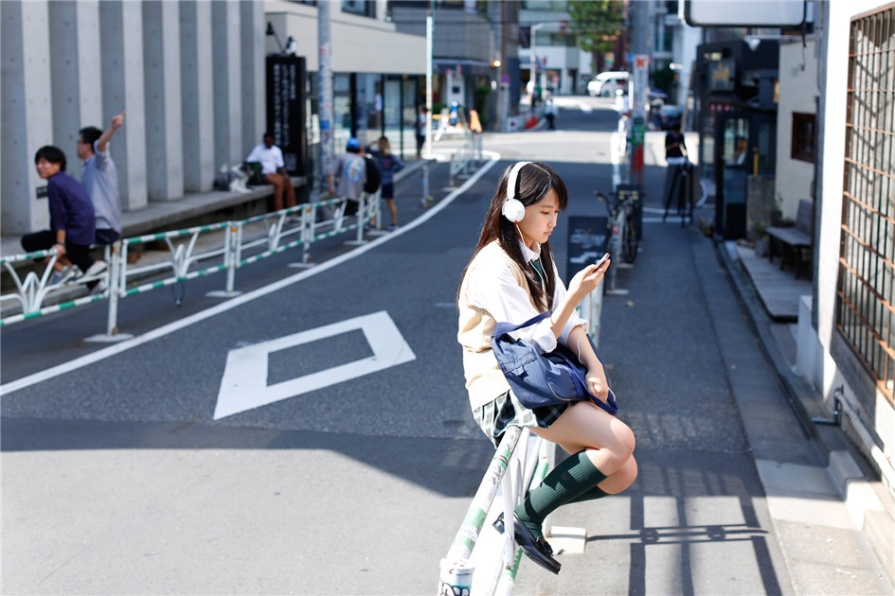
{"x": 495, "y": 417}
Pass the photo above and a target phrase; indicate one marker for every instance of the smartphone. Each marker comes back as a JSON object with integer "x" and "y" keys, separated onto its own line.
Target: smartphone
{"x": 605, "y": 257}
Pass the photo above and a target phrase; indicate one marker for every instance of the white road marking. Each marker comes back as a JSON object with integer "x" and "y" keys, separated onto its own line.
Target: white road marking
{"x": 244, "y": 384}
{"x": 139, "y": 340}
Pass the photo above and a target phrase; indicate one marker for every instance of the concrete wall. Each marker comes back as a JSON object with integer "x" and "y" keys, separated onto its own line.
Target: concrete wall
{"x": 189, "y": 74}
{"x": 798, "y": 91}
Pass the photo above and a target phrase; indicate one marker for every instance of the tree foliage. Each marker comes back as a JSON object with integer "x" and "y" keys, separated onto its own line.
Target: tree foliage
{"x": 597, "y": 24}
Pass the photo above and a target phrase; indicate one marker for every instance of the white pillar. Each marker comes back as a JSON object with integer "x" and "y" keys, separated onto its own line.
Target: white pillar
{"x": 164, "y": 132}
{"x": 254, "y": 104}
{"x": 227, "y": 60}
{"x": 121, "y": 42}
{"x": 26, "y": 116}
{"x": 197, "y": 95}
{"x": 75, "y": 73}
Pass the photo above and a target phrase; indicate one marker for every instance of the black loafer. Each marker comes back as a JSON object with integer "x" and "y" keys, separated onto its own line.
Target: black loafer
{"x": 536, "y": 549}
{"x": 498, "y": 525}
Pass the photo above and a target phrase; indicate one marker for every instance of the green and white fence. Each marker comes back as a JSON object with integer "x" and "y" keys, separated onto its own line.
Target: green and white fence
{"x": 193, "y": 252}
{"x": 32, "y": 290}
{"x": 481, "y": 561}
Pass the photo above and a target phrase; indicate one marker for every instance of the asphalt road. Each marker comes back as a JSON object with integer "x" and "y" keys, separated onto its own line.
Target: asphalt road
{"x": 118, "y": 477}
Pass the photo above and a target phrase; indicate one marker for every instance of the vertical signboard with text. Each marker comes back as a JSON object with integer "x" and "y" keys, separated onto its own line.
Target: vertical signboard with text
{"x": 286, "y": 100}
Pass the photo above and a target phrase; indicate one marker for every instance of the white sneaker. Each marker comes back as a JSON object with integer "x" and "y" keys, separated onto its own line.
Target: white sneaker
{"x": 99, "y": 288}
{"x": 95, "y": 269}
{"x": 60, "y": 277}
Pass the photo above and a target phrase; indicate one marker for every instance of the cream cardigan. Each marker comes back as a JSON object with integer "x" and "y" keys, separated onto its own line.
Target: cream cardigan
{"x": 494, "y": 289}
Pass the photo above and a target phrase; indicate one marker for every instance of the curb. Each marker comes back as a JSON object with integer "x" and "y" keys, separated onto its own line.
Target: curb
{"x": 844, "y": 462}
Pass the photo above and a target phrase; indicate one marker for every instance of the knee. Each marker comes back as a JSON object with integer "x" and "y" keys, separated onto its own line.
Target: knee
{"x": 622, "y": 479}
{"x": 621, "y": 450}
{"x": 628, "y": 441}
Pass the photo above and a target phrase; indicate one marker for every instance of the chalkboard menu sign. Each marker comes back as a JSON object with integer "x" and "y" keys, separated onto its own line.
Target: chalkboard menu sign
{"x": 588, "y": 240}
{"x": 286, "y": 100}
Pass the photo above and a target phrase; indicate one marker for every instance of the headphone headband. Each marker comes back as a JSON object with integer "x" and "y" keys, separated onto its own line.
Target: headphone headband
{"x": 513, "y": 178}
{"x": 513, "y": 209}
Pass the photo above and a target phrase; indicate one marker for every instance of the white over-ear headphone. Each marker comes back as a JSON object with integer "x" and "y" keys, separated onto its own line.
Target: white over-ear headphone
{"x": 513, "y": 209}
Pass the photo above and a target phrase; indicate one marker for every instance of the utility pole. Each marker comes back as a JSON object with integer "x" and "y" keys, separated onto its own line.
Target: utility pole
{"x": 430, "y": 16}
{"x": 640, "y": 49}
{"x": 535, "y": 64}
{"x": 325, "y": 93}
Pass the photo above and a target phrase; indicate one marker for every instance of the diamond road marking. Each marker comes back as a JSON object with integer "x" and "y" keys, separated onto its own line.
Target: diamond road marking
{"x": 244, "y": 384}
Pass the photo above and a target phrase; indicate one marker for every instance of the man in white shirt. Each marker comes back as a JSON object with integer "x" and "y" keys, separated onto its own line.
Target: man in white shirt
{"x": 273, "y": 169}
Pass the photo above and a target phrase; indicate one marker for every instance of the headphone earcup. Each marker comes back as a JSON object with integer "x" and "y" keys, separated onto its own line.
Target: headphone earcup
{"x": 513, "y": 210}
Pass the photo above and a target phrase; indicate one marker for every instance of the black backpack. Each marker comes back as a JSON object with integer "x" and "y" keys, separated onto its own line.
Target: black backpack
{"x": 374, "y": 178}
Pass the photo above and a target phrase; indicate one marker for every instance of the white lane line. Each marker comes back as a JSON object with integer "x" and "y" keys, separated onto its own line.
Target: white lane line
{"x": 139, "y": 340}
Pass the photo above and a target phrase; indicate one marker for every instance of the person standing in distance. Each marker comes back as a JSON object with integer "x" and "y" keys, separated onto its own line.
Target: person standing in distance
{"x": 348, "y": 174}
{"x": 511, "y": 278}
{"x": 273, "y": 169}
{"x": 100, "y": 178}
{"x": 420, "y": 130}
{"x": 389, "y": 164}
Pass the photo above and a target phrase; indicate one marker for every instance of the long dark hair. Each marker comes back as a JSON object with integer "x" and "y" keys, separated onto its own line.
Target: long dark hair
{"x": 535, "y": 180}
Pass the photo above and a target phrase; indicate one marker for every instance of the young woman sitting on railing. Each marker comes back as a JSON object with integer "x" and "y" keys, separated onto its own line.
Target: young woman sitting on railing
{"x": 511, "y": 278}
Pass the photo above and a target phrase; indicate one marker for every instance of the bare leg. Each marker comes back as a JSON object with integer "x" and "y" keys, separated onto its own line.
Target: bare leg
{"x": 393, "y": 209}
{"x": 277, "y": 182}
{"x": 290, "y": 191}
{"x": 609, "y": 442}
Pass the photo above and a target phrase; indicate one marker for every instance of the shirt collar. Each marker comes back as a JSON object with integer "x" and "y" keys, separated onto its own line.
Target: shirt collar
{"x": 529, "y": 254}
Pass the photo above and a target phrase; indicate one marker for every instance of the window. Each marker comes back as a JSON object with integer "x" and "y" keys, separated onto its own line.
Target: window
{"x": 803, "y": 137}
{"x": 865, "y": 309}
{"x": 359, "y": 7}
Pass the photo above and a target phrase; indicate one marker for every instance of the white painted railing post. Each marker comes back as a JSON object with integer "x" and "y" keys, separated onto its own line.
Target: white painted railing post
{"x": 308, "y": 222}
{"x": 114, "y": 274}
{"x": 232, "y": 242}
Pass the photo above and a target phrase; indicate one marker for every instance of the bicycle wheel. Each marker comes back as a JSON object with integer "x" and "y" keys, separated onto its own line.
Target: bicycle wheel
{"x": 629, "y": 242}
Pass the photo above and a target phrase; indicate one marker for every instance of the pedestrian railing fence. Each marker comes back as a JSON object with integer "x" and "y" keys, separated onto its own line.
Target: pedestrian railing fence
{"x": 481, "y": 561}
{"x": 193, "y": 252}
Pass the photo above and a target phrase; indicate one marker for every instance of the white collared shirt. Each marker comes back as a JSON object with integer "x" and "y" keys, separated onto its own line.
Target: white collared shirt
{"x": 491, "y": 285}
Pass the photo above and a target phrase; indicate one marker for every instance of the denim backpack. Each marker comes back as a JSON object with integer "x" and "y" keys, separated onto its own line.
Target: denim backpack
{"x": 542, "y": 380}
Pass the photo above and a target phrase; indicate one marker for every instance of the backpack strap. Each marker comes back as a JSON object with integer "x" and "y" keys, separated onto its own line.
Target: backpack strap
{"x": 502, "y": 328}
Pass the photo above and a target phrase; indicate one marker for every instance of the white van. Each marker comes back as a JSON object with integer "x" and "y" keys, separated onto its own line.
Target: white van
{"x": 606, "y": 83}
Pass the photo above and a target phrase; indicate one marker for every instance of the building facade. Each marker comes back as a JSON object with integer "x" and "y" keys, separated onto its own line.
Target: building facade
{"x": 189, "y": 76}
{"x": 846, "y": 343}
{"x": 378, "y": 72}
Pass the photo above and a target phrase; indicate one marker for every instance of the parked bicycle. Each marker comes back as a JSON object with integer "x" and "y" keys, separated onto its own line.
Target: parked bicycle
{"x": 623, "y": 239}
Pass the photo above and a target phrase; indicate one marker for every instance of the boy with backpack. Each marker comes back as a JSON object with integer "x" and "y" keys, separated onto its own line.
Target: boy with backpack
{"x": 388, "y": 164}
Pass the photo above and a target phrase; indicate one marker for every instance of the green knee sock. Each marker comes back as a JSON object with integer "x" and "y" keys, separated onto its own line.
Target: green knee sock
{"x": 568, "y": 480}
{"x": 592, "y": 494}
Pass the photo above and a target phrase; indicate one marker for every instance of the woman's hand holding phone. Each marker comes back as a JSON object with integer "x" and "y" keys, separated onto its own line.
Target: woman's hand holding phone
{"x": 586, "y": 281}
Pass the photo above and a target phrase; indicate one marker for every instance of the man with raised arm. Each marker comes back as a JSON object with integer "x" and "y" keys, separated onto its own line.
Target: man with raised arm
{"x": 100, "y": 178}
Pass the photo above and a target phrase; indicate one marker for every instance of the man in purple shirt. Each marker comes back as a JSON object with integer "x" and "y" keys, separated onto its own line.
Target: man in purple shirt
{"x": 72, "y": 220}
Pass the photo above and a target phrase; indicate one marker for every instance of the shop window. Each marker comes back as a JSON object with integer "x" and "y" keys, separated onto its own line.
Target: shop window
{"x": 803, "y": 137}
{"x": 360, "y": 7}
{"x": 865, "y": 311}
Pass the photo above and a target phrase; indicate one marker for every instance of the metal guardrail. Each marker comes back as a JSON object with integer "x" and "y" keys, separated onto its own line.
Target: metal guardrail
{"x": 286, "y": 229}
{"x": 488, "y": 566}
{"x": 466, "y": 158}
